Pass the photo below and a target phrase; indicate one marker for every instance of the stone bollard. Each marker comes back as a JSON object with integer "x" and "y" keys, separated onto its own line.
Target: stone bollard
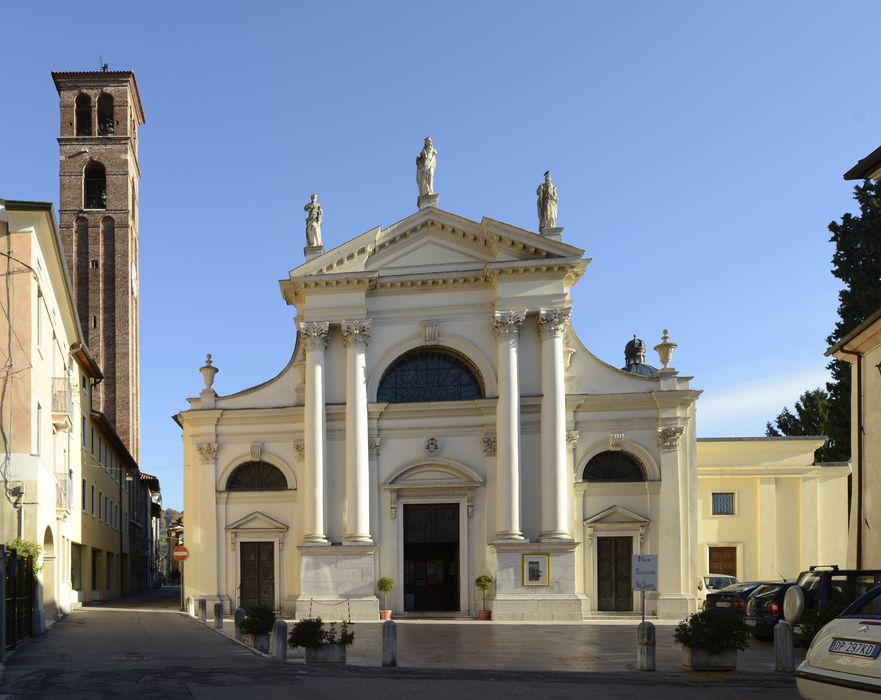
{"x": 645, "y": 649}
{"x": 389, "y": 643}
{"x": 218, "y": 616}
{"x": 784, "y": 649}
{"x": 191, "y": 606}
{"x": 239, "y": 617}
{"x": 203, "y": 611}
{"x": 278, "y": 640}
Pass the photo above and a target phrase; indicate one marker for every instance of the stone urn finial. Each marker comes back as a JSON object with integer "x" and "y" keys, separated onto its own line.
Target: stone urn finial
{"x": 665, "y": 349}
{"x": 208, "y": 372}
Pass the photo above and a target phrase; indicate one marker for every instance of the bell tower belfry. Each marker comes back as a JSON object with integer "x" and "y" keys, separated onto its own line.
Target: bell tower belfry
{"x": 100, "y": 115}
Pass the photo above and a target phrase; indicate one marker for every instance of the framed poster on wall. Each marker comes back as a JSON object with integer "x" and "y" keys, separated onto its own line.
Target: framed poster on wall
{"x": 536, "y": 569}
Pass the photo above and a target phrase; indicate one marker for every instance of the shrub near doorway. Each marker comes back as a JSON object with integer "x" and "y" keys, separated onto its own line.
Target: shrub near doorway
{"x": 385, "y": 586}
{"x": 710, "y": 640}
{"x": 484, "y": 583}
{"x": 322, "y": 645}
{"x": 256, "y": 626}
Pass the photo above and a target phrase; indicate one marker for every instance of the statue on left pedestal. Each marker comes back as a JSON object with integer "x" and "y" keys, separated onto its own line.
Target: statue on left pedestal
{"x": 313, "y": 222}
{"x": 547, "y": 203}
{"x": 426, "y": 163}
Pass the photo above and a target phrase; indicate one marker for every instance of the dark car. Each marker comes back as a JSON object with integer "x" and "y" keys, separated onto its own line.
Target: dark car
{"x": 764, "y": 609}
{"x": 825, "y": 587}
{"x": 732, "y": 597}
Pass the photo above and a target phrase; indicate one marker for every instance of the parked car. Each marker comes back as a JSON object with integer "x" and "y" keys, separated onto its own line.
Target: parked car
{"x": 732, "y": 597}
{"x": 764, "y": 609}
{"x": 821, "y": 593}
{"x": 844, "y": 660}
{"x": 708, "y": 583}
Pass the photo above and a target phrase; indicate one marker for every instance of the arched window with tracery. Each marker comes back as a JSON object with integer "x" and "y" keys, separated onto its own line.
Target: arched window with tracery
{"x": 105, "y": 115}
{"x": 95, "y": 187}
{"x": 83, "y": 115}
{"x": 613, "y": 466}
{"x": 256, "y": 476}
{"x": 430, "y": 374}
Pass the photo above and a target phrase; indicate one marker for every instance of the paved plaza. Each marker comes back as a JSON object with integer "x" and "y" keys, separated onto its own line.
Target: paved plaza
{"x": 143, "y": 647}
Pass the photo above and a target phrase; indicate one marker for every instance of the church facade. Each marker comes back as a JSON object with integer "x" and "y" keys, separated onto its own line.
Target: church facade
{"x": 440, "y": 420}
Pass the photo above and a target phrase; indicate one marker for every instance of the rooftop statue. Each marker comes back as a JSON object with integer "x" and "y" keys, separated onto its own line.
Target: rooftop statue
{"x": 426, "y": 163}
{"x": 547, "y": 203}
{"x": 313, "y": 222}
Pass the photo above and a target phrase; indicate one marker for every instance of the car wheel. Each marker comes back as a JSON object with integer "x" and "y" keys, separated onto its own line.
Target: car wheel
{"x": 794, "y": 604}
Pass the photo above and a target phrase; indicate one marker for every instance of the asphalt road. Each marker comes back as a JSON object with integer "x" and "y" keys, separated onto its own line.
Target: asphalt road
{"x": 142, "y": 647}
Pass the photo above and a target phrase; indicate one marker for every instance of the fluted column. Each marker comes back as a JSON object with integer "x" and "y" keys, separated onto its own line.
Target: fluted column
{"x": 356, "y": 335}
{"x": 554, "y": 471}
{"x": 506, "y": 325}
{"x": 314, "y": 337}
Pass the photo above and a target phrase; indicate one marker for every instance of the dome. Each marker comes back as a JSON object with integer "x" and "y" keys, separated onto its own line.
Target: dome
{"x": 634, "y": 359}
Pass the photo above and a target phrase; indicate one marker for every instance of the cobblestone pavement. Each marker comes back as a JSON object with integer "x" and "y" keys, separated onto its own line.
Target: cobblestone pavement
{"x": 142, "y": 647}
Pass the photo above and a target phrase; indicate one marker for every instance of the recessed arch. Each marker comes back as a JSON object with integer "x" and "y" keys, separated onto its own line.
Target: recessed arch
{"x": 448, "y": 341}
{"x": 94, "y": 186}
{"x": 428, "y": 374}
{"x": 224, "y": 475}
{"x": 83, "y": 115}
{"x": 649, "y": 464}
{"x": 105, "y": 114}
{"x": 256, "y": 475}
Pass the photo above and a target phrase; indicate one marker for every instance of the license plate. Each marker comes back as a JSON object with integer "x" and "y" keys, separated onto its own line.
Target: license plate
{"x": 750, "y": 623}
{"x": 850, "y": 648}
{"x": 723, "y": 605}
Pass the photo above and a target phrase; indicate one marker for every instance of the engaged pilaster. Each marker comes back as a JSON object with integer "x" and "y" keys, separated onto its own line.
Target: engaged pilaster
{"x": 554, "y": 472}
{"x": 506, "y": 325}
{"x": 356, "y": 335}
{"x": 314, "y": 337}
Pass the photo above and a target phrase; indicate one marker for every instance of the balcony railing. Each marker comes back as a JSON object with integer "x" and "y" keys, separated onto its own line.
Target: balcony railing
{"x": 62, "y": 403}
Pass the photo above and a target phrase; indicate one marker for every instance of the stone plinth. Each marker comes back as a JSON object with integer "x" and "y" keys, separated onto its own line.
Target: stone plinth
{"x": 555, "y": 233}
{"x": 428, "y": 200}
{"x": 337, "y": 582}
{"x": 313, "y": 251}
{"x": 675, "y": 607}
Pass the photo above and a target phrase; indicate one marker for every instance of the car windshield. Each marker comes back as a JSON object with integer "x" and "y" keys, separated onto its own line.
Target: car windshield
{"x": 767, "y": 589}
{"x": 866, "y": 608}
{"x": 717, "y": 583}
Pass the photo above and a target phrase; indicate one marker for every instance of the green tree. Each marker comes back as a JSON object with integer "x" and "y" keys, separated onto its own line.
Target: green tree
{"x": 857, "y": 263}
{"x": 811, "y": 417}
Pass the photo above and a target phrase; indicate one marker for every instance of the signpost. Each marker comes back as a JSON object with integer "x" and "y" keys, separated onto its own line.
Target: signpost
{"x": 180, "y": 554}
{"x": 644, "y": 575}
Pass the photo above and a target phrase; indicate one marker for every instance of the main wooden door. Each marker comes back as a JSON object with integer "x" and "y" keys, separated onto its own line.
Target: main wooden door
{"x": 723, "y": 560}
{"x": 431, "y": 556}
{"x": 257, "y": 579}
{"x": 613, "y": 573}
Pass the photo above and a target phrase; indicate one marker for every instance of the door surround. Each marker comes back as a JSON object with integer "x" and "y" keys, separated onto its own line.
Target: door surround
{"x": 614, "y": 521}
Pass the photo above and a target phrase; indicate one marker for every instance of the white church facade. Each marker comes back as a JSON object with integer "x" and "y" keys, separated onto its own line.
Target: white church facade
{"x": 439, "y": 419}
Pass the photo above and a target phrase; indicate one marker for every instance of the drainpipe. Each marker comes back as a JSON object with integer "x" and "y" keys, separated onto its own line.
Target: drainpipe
{"x": 859, "y": 460}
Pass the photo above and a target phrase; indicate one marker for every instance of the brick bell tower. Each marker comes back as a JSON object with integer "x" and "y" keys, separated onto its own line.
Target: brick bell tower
{"x": 100, "y": 115}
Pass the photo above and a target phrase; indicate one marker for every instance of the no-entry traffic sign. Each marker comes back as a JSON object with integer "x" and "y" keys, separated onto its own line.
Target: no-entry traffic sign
{"x": 180, "y": 553}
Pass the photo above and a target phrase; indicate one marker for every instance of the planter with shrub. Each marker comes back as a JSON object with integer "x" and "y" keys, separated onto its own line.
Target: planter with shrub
{"x": 323, "y": 643}
{"x": 256, "y": 626}
{"x": 385, "y": 586}
{"x": 484, "y": 583}
{"x": 710, "y": 640}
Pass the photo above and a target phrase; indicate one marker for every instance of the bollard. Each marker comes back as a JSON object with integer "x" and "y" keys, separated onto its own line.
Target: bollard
{"x": 389, "y": 643}
{"x": 191, "y": 606}
{"x": 278, "y": 640}
{"x": 784, "y": 649}
{"x": 239, "y": 617}
{"x": 203, "y": 611}
{"x": 218, "y": 616}
{"x": 645, "y": 649}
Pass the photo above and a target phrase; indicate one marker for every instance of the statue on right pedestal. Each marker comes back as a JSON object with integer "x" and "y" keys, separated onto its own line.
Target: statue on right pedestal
{"x": 547, "y": 203}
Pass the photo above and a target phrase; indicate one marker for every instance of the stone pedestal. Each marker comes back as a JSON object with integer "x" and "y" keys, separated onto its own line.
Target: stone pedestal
{"x": 428, "y": 200}
{"x": 555, "y": 233}
{"x": 558, "y": 601}
{"x": 313, "y": 251}
{"x": 337, "y": 582}
{"x": 675, "y": 607}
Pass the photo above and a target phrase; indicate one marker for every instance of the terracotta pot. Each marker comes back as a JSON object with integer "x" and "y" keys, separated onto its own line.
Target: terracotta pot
{"x": 703, "y": 660}
{"x": 484, "y": 614}
{"x": 385, "y": 614}
{"x": 326, "y": 654}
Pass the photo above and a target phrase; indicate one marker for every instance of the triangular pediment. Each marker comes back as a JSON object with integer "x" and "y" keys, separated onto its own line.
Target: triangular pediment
{"x": 257, "y": 521}
{"x": 616, "y": 515}
{"x": 433, "y": 239}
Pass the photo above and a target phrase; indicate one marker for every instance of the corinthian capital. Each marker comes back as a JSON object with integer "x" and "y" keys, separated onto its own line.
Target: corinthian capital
{"x": 553, "y": 322}
{"x": 314, "y": 334}
{"x": 507, "y": 323}
{"x": 356, "y": 333}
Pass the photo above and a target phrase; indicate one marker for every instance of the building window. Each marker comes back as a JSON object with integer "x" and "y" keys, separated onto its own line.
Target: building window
{"x": 83, "y": 115}
{"x": 105, "y": 115}
{"x": 95, "y": 190}
{"x": 106, "y": 512}
{"x": 430, "y": 375}
{"x": 39, "y": 431}
{"x": 84, "y": 431}
{"x": 100, "y": 504}
{"x": 613, "y": 466}
{"x": 38, "y": 312}
{"x": 85, "y": 492}
{"x": 256, "y": 476}
{"x": 723, "y": 503}
{"x": 76, "y": 567}
{"x": 92, "y": 502}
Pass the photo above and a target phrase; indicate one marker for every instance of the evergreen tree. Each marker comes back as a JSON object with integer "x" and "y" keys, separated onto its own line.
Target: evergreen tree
{"x": 811, "y": 418}
{"x": 857, "y": 263}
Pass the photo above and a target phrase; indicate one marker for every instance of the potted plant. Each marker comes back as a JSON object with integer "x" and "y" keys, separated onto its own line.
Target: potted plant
{"x": 256, "y": 626}
{"x": 385, "y": 586}
{"x": 322, "y": 644}
{"x": 484, "y": 583}
{"x": 710, "y": 640}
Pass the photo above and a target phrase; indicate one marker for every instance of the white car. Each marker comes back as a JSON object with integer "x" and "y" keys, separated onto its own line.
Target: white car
{"x": 844, "y": 660}
{"x": 712, "y": 582}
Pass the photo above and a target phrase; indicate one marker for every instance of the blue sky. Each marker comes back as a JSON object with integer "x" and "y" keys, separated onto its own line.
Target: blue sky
{"x": 698, "y": 150}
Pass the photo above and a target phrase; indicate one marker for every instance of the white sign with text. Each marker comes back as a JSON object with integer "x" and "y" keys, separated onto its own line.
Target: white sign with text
{"x": 644, "y": 572}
